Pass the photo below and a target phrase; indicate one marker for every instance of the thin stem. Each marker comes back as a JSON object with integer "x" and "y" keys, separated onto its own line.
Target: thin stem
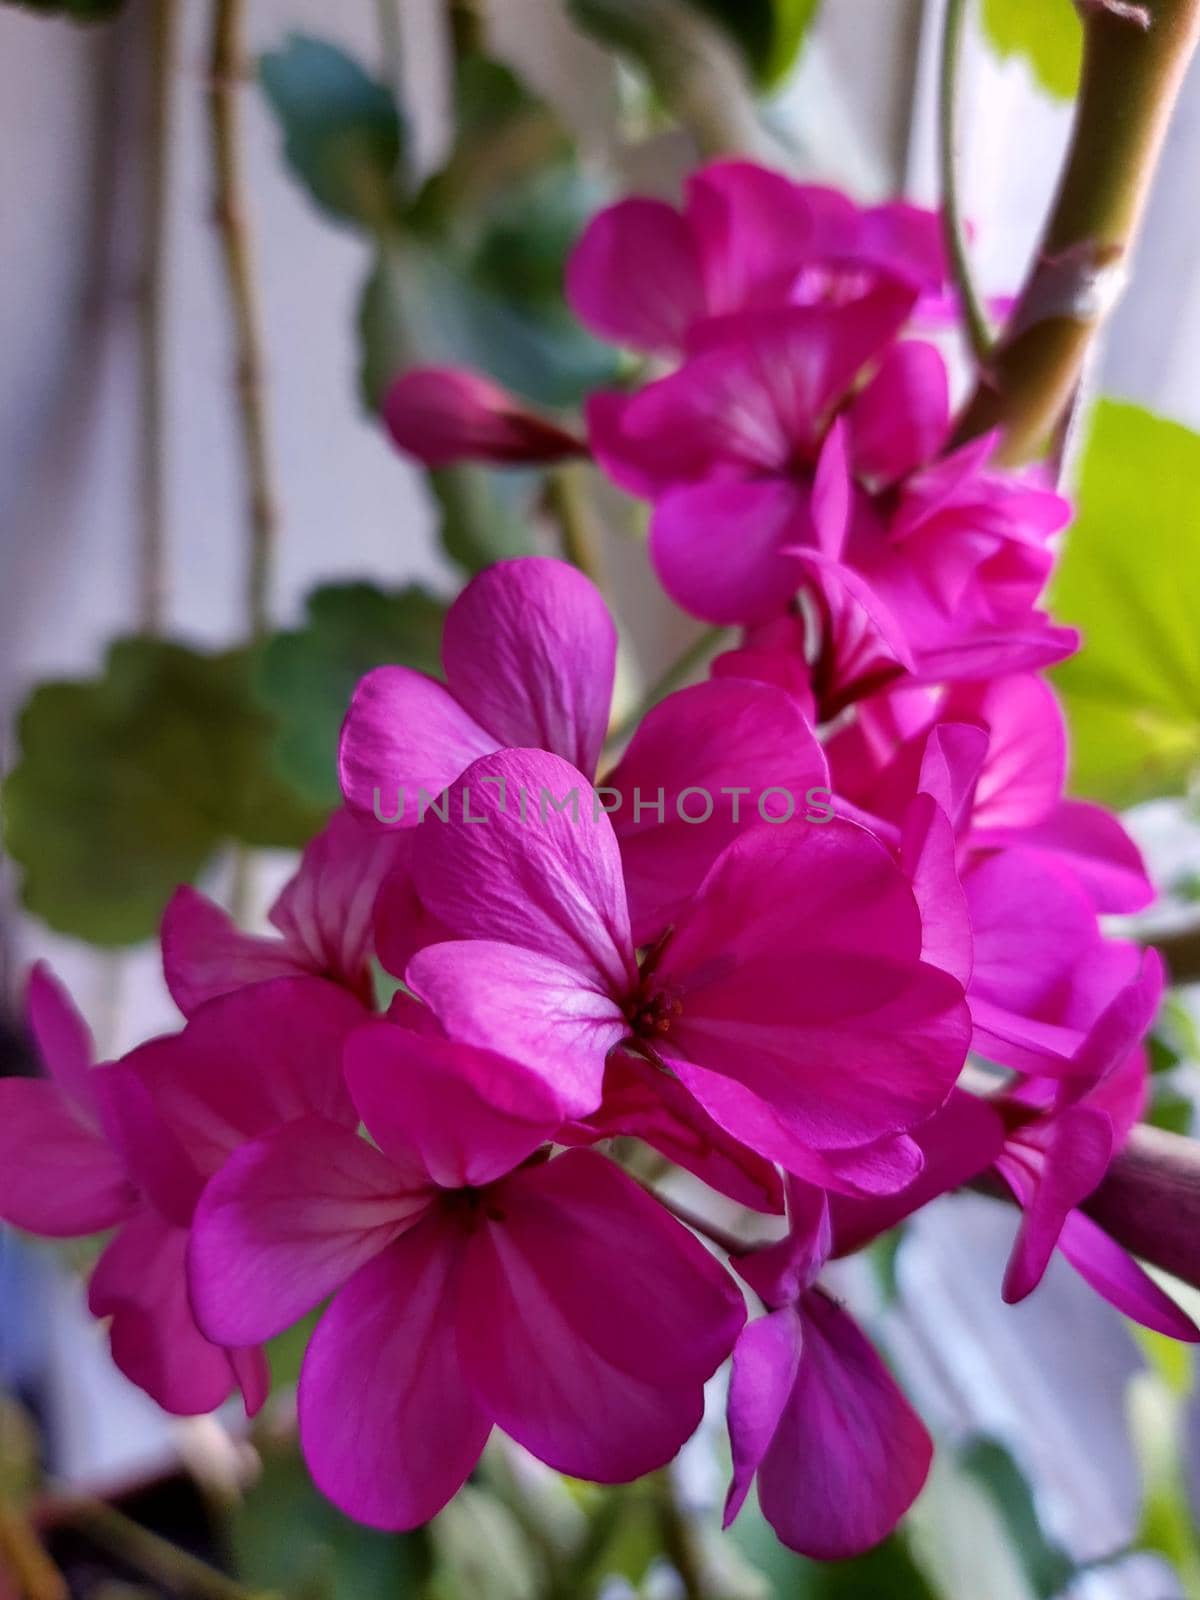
{"x": 227, "y": 70}
{"x": 712, "y": 1231}
{"x": 681, "y": 669}
{"x": 156, "y": 1558}
{"x": 22, "y": 1556}
{"x": 1134, "y": 62}
{"x": 566, "y": 503}
{"x": 391, "y": 43}
{"x": 679, "y": 1540}
{"x": 1150, "y": 1201}
{"x": 153, "y": 565}
{"x": 974, "y": 316}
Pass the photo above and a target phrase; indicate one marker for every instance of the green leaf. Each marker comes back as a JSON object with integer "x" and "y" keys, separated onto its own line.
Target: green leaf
{"x": 1128, "y": 581}
{"x": 126, "y": 784}
{"x": 305, "y": 678}
{"x": 888, "y": 1570}
{"x": 342, "y": 133}
{"x": 73, "y": 10}
{"x": 769, "y": 33}
{"x": 287, "y": 1538}
{"x": 486, "y": 516}
{"x": 1046, "y": 32}
{"x": 481, "y": 1550}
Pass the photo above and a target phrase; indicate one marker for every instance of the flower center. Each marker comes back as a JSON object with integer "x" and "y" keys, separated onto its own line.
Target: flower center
{"x": 650, "y": 1011}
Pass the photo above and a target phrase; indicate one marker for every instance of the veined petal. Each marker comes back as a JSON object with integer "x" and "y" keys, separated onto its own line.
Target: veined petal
{"x": 719, "y": 548}
{"x": 530, "y": 651}
{"x": 389, "y": 1428}
{"x": 288, "y": 1219}
{"x": 58, "y": 1175}
{"x": 206, "y": 954}
{"x": 634, "y": 276}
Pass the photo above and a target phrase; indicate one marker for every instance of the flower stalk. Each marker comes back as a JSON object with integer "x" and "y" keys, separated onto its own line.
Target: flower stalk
{"x": 1134, "y": 62}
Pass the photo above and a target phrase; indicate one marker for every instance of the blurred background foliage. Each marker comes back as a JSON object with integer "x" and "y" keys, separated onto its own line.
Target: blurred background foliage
{"x": 136, "y": 779}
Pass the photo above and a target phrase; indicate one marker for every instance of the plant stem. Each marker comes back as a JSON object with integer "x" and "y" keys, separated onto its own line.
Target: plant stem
{"x": 974, "y": 317}
{"x": 391, "y": 43}
{"x": 153, "y": 1556}
{"x": 1134, "y": 61}
{"x": 227, "y": 71}
{"x": 567, "y": 504}
{"x": 1150, "y": 1201}
{"x": 153, "y": 566}
{"x": 679, "y": 1540}
{"x": 22, "y": 1556}
{"x": 697, "y": 653}
{"x": 1180, "y": 949}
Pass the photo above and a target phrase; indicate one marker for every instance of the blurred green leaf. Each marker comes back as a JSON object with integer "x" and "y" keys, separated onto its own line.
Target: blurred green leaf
{"x": 74, "y": 10}
{"x": 1048, "y": 1567}
{"x": 126, "y": 784}
{"x": 305, "y": 678}
{"x": 888, "y": 1570}
{"x": 343, "y": 136}
{"x": 1046, "y": 32}
{"x": 486, "y": 516}
{"x": 1132, "y": 694}
{"x": 287, "y": 1538}
{"x": 769, "y": 33}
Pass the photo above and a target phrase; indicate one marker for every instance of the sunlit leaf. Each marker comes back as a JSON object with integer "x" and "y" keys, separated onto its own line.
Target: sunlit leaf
{"x": 1047, "y": 33}
{"x": 1129, "y": 579}
{"x": 306, "y": 677}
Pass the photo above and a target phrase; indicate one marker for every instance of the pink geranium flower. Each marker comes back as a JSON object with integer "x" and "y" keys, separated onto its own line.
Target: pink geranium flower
{"x": 814, "y": 1415}
{"x": 529, "y": 651}
{"x": 801, "y": 948}
{"x": 475, "y": 1283}
{"x": 324, "y": 916}
{"x": 130, "y": 1145}
{"x": 649, "y": 276}
{"x": 790, "y": 453}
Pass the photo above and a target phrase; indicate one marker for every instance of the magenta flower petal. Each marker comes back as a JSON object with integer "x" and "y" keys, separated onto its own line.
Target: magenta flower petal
{"x": 63, "y": 1039}
{"x": 927, "y": 854}
{"x": 404, "y": 736}
{"x": 58, "y": 1175}
{"x": 527, "y": 857}
{"x": 960, "y": 1141}
{"x": 528, "y": 1007}
{"x": 1026, "y": 765}
{"x": 530, "y": 651}
{"x": 206, "y": 954}
{"x": 1116, "y": 1276}
{"x": 325, "y": 911}
{"x": 766, "y": 1361}
{"x": 590, "y": 1319}
{"x": 634, "y": 276}
{"x": 140, "y": 1282}
{"x": 389, "y": 1429}
{"x": 1078, "y": 1150}
{"x": 899, "y": 420}
{"x": 719, "y": 548}
{"x": 709, "y": 739}
{"x": 850, "y": 1455}
{"x": 1094, "y": 846}
{"x": 446, "y": 1111}
{"x": 245, "y": 1063}
{"x": 442, "y": 415}
{"x": 802, "y": 948}
{"x": 643, "y": 1102}
{"x": 288, "y": 1219}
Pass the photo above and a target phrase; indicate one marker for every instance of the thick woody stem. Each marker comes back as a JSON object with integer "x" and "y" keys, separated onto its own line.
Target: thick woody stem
{"x": 227, "y": 70}
{"x": 1150, "y": 1201}
{"x": 1134, "y": 60}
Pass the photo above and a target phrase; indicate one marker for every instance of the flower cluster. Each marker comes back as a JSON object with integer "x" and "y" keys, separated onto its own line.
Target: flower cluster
{"x": 824, "y": 932}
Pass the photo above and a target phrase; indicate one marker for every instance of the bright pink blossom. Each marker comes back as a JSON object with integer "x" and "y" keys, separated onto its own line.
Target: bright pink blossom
{"x": 529, "y": 653}
{"x": 801, "y": 948}
{"x": 926, "y": 569}
{"x": 130, "y": 1145}
{"x": 814, "y": 1415}
{"x": 475, "y": 1283}
{"x": 646, "y": 275}
{"x": 324, "y": 915}
{"x": 445, "y": 414}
